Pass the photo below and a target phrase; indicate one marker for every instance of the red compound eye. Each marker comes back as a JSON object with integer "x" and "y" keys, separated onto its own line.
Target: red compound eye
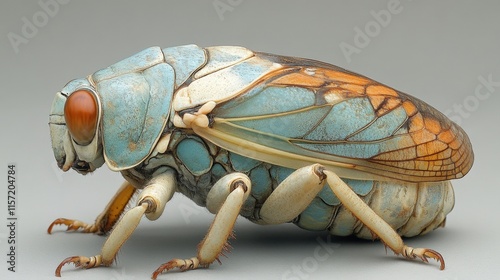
{"x": 80, "y": 112}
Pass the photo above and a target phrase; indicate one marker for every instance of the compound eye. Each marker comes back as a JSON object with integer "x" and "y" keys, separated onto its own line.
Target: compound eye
{"x": 80, "y": 112}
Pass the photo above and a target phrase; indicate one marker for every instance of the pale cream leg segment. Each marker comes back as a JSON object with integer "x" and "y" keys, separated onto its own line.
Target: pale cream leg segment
{"x": 151, "y": 202}
{"x": 369, "y": 218}
{"x": 293, "y": 195}
{"x": 107, "y": 219}
{"x": 226, "y": 198}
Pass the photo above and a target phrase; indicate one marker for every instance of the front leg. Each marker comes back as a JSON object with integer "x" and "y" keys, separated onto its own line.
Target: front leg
{"x": 118, "y": 236}
{"x": 151, "y": 202}
{"x": 107, "y": 219}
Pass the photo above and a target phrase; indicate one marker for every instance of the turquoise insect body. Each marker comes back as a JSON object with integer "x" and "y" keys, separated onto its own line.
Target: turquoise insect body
{"x": 259, "y": 135}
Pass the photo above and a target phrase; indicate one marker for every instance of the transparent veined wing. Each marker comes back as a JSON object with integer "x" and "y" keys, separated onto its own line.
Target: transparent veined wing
{"x": 312, "y": 112}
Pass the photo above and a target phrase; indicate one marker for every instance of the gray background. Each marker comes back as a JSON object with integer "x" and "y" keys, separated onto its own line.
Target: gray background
{"x": 436, "y": 50}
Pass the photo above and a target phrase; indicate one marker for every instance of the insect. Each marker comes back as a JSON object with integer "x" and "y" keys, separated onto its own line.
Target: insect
{"x": 271, "y": 138}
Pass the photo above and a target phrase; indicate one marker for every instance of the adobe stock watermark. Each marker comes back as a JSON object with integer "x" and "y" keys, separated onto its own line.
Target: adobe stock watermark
{"x": 121, "y": 275}
{"x": 188, "y": 211}
{"x": 373, "y": 28}
{"x": 223, "y": 6}
{"x": 470, "y": 104}
{"x": 310, "y": 264}
{"x": 31, "y": 25}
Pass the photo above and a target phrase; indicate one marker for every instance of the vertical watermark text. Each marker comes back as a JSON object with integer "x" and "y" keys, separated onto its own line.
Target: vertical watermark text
{"x": 11, "y": 222}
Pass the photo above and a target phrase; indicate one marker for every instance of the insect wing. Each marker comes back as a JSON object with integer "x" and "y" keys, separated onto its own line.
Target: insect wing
{"x": 312, "y": 112}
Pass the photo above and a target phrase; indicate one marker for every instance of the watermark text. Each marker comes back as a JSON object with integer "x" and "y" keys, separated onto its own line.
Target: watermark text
{"x": 31, "y": 25}
{"x": 373, "y": 28}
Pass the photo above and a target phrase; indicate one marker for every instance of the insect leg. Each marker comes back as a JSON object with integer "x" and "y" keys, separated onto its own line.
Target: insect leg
{"x": 375, "y": 223}
{"x": 107, "y": 219}
{"x": 151, "y": 202}
{"x": 293, "y": 195}
{"x": 226, "y": 199}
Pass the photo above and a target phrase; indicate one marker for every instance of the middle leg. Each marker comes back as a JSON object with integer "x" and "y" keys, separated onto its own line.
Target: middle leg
{"x": 226, "y": 199}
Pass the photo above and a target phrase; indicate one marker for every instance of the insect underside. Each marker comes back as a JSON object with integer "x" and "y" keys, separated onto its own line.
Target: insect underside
{"x": 273, "y": 139}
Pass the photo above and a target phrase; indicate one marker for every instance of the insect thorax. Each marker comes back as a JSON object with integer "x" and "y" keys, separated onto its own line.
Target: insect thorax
{"x": 200, "y": 164}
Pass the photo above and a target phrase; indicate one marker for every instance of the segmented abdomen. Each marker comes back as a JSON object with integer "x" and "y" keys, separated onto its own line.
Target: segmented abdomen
{"x": 410, "y": 209}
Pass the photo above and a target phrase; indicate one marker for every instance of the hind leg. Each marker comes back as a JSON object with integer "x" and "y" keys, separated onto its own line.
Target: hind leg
{"x": 375, "y": 223}
{"x": 297, "y": 191}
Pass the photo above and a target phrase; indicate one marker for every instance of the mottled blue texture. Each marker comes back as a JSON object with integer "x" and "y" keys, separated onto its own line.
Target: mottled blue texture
{"x": 350, "y": 128}
{"x": 241, "y": 163}
{"x": 185, "y": 60}
{"x": 344, "y": 119}
{"x": 135, "y": 109}
{"x": 194, "y": 155}
{"x": 261, "y": 182}
{"x": 382, "y": 127}
{"x": 135, "y": 63}
{"x": 301, "y": 122}
{"x": 267, "y": 101}
{"x": 317, "y": 216}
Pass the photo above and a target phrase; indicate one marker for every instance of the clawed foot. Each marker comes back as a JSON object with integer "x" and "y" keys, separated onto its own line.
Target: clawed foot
{"x": 73, "y": 225}
{"x": 183, "y": 265}
{"x": 80, "y": 262}
{"x": 423, "y": 254}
